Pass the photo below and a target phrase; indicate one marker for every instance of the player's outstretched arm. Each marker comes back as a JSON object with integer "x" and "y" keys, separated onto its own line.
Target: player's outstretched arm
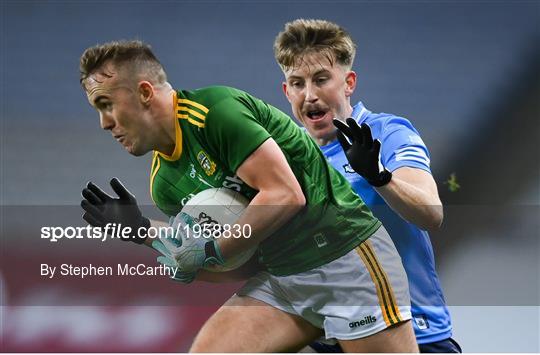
{"x": 411, "y": 192}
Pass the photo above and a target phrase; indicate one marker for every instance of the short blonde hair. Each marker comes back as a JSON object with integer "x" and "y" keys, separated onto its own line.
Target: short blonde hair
{"x": 301, "y": 37}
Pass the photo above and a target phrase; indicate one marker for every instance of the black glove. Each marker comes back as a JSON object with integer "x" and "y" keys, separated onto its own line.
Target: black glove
{"x": 100, "y": 209}
{"x": 363, "y": 152}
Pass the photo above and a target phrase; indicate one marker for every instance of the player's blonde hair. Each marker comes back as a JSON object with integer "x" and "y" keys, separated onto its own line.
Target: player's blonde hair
{"x": 134, "y": 55}
{"x": 303, "y": 37}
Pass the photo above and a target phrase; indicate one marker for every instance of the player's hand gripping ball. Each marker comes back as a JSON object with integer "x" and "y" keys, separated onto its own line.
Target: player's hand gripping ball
{"x": 192, "y": 248}
{"x": 185, "y": 251}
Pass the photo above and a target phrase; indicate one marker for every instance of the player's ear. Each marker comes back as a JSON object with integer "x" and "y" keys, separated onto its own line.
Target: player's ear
{"x": 285, "y": 91}
{"x": 350, "y": 83}
{"x": 145, "y": 92}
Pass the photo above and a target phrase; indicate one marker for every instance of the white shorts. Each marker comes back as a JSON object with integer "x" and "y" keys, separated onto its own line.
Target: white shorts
{"x": 354, "y": 296}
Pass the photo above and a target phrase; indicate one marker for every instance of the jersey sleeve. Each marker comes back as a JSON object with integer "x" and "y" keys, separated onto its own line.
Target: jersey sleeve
{"x": 234, "y": 131}
{"x": 401, "y": 146}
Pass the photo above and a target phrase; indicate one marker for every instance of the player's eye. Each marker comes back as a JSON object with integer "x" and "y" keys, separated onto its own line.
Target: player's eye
{"x": 296, "y": 84}
{"x": 104, "y": 106}
{"x": 321, "y": 80}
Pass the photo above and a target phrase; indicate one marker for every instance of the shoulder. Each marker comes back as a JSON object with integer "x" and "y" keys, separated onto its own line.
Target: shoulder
{"x": 401, "y": 144}
{"x": 384, "y": 125}
{"x": 213, "y": 103}
{"x": 220, "y": 91}
{"x": 212, "y": 96}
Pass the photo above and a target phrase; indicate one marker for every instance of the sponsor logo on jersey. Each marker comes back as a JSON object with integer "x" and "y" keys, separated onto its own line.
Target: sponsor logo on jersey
{"x": 367, "y": 320}
{"x": 348, "y": 169}
{"x": 193, "y": 172}
{"x": 421, "y": 321}
{"x": 207, "y": 164}
{"x": 233, "y": 183}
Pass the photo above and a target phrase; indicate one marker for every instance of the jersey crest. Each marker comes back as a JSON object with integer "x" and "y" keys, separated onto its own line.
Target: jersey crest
{"x": 207, "y": 164}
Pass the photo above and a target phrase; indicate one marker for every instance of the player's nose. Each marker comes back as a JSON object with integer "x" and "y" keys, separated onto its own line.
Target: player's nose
{"x": 106, "y": 121}
{"x": 310, "y": 93}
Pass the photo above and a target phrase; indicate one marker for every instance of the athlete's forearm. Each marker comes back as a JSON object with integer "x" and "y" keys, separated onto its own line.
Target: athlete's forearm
{"x": 266, "y": 213}
{"x": 412, "y": 203}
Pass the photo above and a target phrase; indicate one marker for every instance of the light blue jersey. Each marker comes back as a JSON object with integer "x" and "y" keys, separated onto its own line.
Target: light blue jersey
{"x": 401, "y": 146}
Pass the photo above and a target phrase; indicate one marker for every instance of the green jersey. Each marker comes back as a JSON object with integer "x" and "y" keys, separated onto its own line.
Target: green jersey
{"x": 217, "y": 128}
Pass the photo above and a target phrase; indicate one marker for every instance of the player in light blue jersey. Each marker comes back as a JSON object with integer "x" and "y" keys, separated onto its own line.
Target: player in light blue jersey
{"x": 385, "y": 160}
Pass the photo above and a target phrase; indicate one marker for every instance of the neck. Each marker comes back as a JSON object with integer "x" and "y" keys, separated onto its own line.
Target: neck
{"x": 327, "y": 139}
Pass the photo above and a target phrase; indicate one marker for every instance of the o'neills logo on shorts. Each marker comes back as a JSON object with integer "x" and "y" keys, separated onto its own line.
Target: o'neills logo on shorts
{"x": 365, "y": 321}
{"x": 207, "y": 164}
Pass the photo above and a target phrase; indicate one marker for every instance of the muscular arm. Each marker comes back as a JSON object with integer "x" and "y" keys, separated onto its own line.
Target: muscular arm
{"x": 413, "y": 194}
{"x": 279, "y": 198}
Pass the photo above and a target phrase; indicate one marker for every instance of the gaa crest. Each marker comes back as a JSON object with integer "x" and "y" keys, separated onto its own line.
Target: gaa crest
{"x": 207, "y": 164}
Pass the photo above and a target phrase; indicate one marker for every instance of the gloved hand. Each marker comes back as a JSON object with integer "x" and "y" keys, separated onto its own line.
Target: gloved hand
{"x": 186, "y": 250}
{"x": 363, "y": 152}
{"x": 101, "y": 209}
{"x": 168, "y": 246}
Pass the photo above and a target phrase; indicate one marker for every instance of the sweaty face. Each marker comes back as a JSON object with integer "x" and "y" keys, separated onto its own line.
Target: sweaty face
{"x": 120, "y": 112}
{"x": 319, "y": 91}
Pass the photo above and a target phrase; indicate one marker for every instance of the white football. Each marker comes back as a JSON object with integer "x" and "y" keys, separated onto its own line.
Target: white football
{"x": 220, "y": 208}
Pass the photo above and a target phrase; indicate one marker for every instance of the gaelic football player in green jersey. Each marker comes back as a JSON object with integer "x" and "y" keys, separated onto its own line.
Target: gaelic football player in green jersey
{"x": 315, "y": 237}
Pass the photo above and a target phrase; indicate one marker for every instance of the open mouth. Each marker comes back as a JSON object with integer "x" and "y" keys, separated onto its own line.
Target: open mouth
{"x": 316, "y": 115}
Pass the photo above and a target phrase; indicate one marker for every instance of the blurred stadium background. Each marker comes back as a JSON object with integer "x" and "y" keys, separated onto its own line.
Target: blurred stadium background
{"x": 466, "y": 73}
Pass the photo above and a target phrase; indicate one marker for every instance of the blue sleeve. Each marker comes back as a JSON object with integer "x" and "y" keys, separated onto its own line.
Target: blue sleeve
{"x": 401, "y": 145}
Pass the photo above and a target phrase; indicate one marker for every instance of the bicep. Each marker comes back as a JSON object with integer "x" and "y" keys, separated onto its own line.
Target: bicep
{"x": 267, "y": 168}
